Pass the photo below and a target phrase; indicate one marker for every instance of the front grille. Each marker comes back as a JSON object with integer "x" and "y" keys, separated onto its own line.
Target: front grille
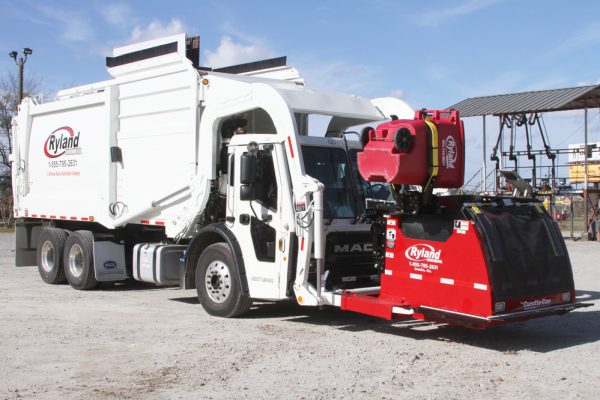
{"x": 350, "y": 261}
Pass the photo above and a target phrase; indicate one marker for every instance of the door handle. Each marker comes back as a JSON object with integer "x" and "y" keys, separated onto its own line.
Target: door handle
{"x": 244, "y": 219}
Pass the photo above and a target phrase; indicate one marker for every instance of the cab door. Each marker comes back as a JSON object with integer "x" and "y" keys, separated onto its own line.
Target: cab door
{"x": 257, "y": 219}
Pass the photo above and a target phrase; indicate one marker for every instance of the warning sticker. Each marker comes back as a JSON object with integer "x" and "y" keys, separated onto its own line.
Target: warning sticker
{"x": 461, "y": 226}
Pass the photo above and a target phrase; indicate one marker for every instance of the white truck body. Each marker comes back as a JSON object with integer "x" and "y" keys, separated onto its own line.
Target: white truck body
{"x": 144, "y": 148}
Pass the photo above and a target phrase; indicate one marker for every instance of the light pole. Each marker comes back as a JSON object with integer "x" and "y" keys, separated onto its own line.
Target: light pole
{"x": 21, "y": 63}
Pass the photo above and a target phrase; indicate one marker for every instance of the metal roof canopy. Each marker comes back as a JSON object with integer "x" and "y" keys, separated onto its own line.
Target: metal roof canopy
{"x": 533, "y": 102}
{"x": 575, "y": 98}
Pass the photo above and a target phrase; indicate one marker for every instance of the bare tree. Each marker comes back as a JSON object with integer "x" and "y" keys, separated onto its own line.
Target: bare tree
{"x": 9, "y": 93}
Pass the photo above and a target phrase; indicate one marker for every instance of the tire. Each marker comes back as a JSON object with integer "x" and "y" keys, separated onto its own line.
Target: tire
{"x": 49, "y": 255}
{"x": 218, "y": 283}
{"x": 79, "y": 260}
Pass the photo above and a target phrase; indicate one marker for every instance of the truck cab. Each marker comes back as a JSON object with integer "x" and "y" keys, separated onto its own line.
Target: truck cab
{"x": 260, "y": 212}
{"x": 291, "y": 199}
{"x": 269, "y": 209}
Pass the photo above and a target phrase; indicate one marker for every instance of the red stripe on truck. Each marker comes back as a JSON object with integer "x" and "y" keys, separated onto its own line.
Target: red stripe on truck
{"x": 162, "y": 223}
{"x": 290, "y": 144}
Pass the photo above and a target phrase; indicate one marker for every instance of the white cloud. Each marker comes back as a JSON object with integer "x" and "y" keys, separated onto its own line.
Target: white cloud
{"x": 568, "y": 114}
{"x": 117, "y": 14}
{"x": 585, "y": 37}
{"x": 156, "y": 29}
{"x": 238, "y": 47}
{"x": 436, "y": 17}
{"x": 506, "y": 82}
{"x": 73, "y": 27}
{"x": 546, "y": 82}
{"x": 232, "y": 53}
{"x": 437, "y": 72}
{"x": 397, "y": 93}
{"x": 340, "y": 76}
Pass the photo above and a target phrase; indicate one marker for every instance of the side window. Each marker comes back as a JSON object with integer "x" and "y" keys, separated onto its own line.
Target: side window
{"x": 263, "y": 239}
{"x": 266, "y": 186}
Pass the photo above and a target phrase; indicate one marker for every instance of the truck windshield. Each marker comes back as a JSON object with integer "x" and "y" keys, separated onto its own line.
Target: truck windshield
{"x": 344, "y": 195}
{"x": 373, "y": 190}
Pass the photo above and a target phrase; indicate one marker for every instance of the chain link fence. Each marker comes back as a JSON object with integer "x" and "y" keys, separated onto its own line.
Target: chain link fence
{"x": 569, "y": 213}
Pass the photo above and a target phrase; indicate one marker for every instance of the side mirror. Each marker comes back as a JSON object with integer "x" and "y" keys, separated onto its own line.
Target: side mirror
{"x": 247, "y": 169}
{"x": 247, "y": 193}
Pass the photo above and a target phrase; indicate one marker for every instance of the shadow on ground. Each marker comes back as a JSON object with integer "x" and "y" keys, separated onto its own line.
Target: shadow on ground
{"x": 541, "y": 335}
{"x": 130, "y": 285}
{"x": 586, "y": 295}
{"x": 187, "y": 300}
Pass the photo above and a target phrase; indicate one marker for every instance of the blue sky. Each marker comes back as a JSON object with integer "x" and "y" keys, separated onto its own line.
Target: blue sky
{"x": 432, "y": 54}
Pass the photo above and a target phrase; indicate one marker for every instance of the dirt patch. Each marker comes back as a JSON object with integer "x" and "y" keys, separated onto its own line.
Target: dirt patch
{"x": 135, "y": 341}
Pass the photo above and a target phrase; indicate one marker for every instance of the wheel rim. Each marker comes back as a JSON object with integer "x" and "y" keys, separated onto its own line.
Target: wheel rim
{"x": 76, "y": 260}
{"x": 47, "y": 256}
{"x": 218, "y": 281}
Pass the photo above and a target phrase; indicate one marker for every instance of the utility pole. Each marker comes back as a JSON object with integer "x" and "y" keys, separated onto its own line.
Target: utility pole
{"x": 20, "y": 63}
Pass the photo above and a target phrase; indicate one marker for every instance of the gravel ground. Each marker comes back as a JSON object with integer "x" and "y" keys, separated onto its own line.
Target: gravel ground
{"x": 137, "y": 341}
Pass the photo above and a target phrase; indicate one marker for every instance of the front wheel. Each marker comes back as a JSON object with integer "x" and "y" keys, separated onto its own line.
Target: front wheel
{"x": 79, "y": 260}
{"x": 218, "y": 283}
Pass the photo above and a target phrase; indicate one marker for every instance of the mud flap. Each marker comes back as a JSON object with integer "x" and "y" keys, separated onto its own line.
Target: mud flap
{"x": 26, "y": 237}
{"x": 109, "y": 261}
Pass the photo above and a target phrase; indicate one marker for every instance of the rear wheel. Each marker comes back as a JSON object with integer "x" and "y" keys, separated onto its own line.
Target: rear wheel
{"x": 50, "y": 255}
{"x": 218, "y": 283}
{"x": 79, "y": 260}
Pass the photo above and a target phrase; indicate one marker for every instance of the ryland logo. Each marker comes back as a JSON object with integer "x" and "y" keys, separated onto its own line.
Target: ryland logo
{"x": 423, "y": 252}
{"x": 62, "y": 141}
{"x": 449, "y": 153}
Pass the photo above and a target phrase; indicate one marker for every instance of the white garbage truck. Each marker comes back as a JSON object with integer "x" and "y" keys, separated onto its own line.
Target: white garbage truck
{"x": 175, "y": 174}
